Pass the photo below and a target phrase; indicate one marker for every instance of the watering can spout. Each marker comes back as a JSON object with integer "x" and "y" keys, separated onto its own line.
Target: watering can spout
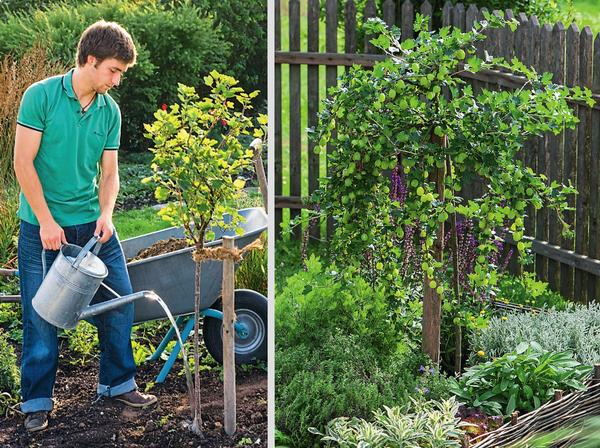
{"x": 103, "y": 307}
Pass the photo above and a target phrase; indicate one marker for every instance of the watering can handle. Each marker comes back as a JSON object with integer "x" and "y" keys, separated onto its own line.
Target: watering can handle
{"x": 86, "y": 249}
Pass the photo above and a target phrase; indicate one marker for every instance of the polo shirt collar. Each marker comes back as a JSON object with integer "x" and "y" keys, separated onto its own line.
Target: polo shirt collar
{"x": 67, "y": 84}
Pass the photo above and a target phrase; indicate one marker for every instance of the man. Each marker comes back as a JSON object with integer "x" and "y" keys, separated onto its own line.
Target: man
{"x": 68, "y": 132}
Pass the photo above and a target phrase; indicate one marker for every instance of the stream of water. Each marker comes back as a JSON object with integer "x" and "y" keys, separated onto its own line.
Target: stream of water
{"x": 188, "y": 373}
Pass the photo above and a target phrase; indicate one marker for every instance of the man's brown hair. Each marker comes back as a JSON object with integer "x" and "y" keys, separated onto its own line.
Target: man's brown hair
{"x": 105, "y": 40}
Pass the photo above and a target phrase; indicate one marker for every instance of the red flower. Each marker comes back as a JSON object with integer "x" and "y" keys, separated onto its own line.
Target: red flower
{"x": 163, "y": 107}
{"x": 224, "y": 122}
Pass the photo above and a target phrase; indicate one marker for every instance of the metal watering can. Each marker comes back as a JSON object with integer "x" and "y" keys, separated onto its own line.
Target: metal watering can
{"x": 71, "y": 283}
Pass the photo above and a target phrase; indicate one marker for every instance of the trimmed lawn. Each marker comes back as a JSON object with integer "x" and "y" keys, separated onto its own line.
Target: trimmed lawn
{"x": 137, "y": 222}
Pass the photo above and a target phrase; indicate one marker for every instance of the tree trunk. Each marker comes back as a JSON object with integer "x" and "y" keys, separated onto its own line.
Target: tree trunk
{"x": 196, "y": 427}
{"x": 432, "y": 307}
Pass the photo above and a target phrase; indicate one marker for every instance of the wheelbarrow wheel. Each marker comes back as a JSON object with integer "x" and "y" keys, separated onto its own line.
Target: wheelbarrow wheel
{"x": 251, "y": 313}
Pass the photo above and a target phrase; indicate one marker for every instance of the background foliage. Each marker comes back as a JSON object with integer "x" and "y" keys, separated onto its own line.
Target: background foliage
{"x": 177, "y": 42}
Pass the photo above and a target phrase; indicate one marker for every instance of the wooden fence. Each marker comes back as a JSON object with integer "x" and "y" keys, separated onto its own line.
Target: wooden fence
{"x": 572, "y": 267}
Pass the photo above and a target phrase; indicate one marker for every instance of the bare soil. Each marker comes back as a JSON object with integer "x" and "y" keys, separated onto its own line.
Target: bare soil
{"x": 161, "y": 247}
{"x": 78, "y": 420}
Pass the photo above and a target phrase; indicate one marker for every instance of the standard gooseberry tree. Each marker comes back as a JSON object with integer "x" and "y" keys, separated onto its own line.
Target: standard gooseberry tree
{"x": 413, "y": 115}
{"x": 199, "y": 159}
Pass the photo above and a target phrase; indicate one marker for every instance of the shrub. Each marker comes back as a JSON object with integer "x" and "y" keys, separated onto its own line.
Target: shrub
{"x": 430, "y": 424}
{"x": 317, "y": 302}
{"x": 9, "y": 373}
{"x": 576, "y": 331}
{"x": 133, "y": 193}
{"x": 344, "y": 375}
{"x": 527, "y": 290}
{"x": 243, "y": 24}
{"x": 175, "y": 45}
{"x": 522, "y": 380}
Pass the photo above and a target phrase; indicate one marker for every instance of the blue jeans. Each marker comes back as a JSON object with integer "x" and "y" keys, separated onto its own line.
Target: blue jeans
{"x": 40, "y": 343}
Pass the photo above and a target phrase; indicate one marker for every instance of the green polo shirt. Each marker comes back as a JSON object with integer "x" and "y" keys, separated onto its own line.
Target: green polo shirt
{"x": 68, "y": 160}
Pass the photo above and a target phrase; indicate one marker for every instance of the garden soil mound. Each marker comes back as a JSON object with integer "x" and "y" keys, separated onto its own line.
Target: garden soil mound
{"x": 161, "y": 247}
{"x": 78, "y": 421}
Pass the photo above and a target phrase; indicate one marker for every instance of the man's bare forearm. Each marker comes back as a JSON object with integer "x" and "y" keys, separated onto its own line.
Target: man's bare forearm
{"x": 107, "y": 193}
{"x": 31, "y": 186}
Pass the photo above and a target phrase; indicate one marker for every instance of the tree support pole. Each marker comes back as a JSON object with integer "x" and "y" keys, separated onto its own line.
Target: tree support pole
{"x": 432, "y": 306}
{"x": 228, "y": 340}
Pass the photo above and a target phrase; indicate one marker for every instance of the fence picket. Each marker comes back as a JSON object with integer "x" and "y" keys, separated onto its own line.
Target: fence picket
{"x": 541, "y": 223}
{"x": 295, "y": 154}
{"x": 278, "y": 181}
{"x": 570, "y": 155}
{"x": 555, "y": 147}
{"x": 369, "y": 12}
{"x": 389, "y": 12}
{"x": 408, "y": 17}
{"x": 427, "y": 10}
{"x": 458, "y": 16}
{"x": 313, "y": 101}
{"x": 330, "y": 71}
{"x": 593, "y": 282}
{"x": 584, "y": 164}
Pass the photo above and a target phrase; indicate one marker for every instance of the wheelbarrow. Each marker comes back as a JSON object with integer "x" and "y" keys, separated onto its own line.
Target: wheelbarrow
{"x": 171, "y": 276}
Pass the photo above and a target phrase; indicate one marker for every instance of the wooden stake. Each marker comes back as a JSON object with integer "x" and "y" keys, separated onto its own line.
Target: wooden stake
{"x": 228, "y": 340}
{"x": 256, "y": 145}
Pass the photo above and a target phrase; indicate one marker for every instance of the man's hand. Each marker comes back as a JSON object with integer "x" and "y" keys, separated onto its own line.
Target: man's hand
{"x": 52, "y": 235}
{"x": 104, "y": 228}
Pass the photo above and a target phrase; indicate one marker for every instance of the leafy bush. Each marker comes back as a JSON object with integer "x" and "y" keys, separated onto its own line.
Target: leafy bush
{"x": 340, "y": 353}
{"x": 133, "y": 193}
{"x": 522, "y": 380}
{"x": 175, "y": 45}
{"x": 243, "y": 24}
{"x": 318, "y": 302}
{"x": 9, "y": 373}
{"x": 427, "y": 425}
{"x": 343, "y": 376}
{"x": 10, "y": 315}
{"x": 576, "y": 331}
{"x": 252, "y": 272}
{"x": 527, "y": 290}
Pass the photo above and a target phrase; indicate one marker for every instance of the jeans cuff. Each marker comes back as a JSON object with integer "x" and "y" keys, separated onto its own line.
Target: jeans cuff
{"x": 36, "y": 405}
{"x": 113, "y": 391}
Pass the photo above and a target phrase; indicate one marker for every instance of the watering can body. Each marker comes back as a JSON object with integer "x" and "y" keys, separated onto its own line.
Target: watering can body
{"x": 70, "y": 285}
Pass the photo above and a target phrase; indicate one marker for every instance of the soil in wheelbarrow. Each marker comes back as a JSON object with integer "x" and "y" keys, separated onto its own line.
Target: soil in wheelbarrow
{"x": 161, "y": 247}
{"x": 78, "y": 421}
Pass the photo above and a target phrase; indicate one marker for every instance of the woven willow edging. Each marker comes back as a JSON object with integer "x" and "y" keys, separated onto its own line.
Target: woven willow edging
{"x": 553, "y": 415}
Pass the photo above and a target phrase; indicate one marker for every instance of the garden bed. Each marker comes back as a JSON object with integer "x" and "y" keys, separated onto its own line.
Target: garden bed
{"x": 77, "y": 421}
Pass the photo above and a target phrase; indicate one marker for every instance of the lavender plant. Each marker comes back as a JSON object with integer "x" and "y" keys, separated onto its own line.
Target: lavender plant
{"x": 576, "y": 330}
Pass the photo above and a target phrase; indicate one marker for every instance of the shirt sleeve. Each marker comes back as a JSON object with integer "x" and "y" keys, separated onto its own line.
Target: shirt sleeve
{"x": 113, "y": 141}
{"x": 32, "y": 111}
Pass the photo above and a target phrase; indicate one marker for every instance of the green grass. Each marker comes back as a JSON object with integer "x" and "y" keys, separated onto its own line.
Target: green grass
{"x": 587, "y": 13}
{"x": 137, "y": 222}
